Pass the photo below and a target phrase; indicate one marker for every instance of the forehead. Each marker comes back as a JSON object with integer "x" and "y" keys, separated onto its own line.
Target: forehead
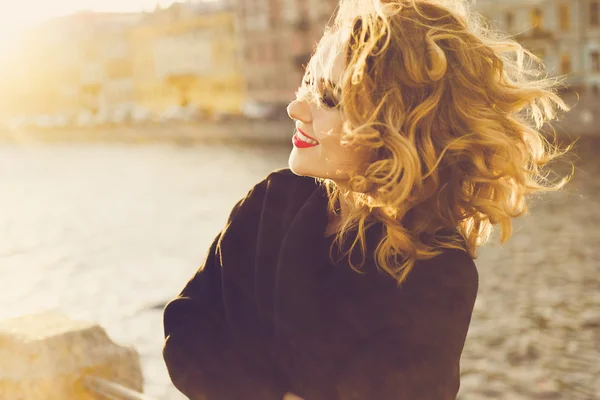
{"x": 328, "y": 62}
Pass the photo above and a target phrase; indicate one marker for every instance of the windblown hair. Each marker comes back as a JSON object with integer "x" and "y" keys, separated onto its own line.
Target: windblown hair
{"x": 452, "y": 113}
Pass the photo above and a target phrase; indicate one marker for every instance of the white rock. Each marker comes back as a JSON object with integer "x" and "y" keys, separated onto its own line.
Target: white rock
{"x": 45, "y": 356}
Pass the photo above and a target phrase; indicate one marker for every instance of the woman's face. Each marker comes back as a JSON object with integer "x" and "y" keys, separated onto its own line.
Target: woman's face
{"x": 317, "y": 149}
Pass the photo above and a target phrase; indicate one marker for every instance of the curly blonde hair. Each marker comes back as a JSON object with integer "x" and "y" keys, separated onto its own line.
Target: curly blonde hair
{"x": 452, "y": 112}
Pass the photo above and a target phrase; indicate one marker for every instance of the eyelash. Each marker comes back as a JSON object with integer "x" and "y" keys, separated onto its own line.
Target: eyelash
{"x": 325, "y": 98}
{"x": 329, "y": 101}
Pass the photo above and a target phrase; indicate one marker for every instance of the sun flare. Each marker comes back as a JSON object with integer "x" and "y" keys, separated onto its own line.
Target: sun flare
{"x": 24, "y": 14}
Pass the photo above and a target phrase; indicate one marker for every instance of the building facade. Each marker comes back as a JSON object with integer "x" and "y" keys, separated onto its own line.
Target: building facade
{"x": 277, "y": 38}
{"x": 565, "y": 34}
{"x": 187, "y": 56}
{"x": 106, "y": 70}
{"x": 81, "y": 62}
{"x": 106, "y": 67}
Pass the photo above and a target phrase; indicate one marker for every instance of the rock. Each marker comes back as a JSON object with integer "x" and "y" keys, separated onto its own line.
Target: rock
{"x": 521, "y": 349}
{"x": 45, "y": 356}
{"x": 471, "y": 382}
{"x": 590, "y": 318}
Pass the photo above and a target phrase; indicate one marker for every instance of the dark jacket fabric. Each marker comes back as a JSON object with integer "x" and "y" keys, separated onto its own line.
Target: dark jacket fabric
{"x": 269, "y": 313}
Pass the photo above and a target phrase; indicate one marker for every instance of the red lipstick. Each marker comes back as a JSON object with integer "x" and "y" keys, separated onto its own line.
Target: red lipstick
{"x": 302, "y": 141}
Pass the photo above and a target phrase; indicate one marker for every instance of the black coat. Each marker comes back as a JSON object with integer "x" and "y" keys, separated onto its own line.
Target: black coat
{"x": 269, "y": 313}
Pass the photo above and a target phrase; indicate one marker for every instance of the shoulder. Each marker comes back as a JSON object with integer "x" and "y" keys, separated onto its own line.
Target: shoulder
{"x": 449, "y": 279}
{"x": 281, "y": 184}
{"x": 447, "y": 282}
{"x": 450, "y": 270}
{"x": 454, "y": 264}
{"x": 281, "y": 181}
{"x": 284, "y": 178}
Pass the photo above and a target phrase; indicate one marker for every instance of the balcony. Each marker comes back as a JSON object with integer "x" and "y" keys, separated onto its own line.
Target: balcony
{"x": 537, "y": 33}
{"x": 301, "y": 25}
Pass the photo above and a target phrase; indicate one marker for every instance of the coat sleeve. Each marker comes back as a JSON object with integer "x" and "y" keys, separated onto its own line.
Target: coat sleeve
{"x": 198, "y": 349}
{"x": 415, "y": 353}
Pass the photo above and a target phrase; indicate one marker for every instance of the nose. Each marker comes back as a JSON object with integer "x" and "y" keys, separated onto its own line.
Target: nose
{"x": 300, "y": 110}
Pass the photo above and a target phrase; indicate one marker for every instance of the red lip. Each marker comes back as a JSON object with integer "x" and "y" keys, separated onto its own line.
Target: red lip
{"x": 302, "y": 144}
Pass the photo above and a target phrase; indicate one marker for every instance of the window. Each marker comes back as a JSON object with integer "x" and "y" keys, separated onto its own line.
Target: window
{"x": 536, "y": 19}
{"x": 318, "y": 10}
{"x": 289, "y": 11}
{"x": 540, "y": 53}
{"x": 509, "y": 18}
{"x": 257, "y": 22}
{"x": 275, "y": 51}
{"x": 116, "y": 69}
{"x": 259, "y": 53}
{"x": 564, "y": 15}
{"x": 274, "y": 16}
{"x": 565, "y": 64}
{"x": 595, "y": 55}
{"x": 256, "y": 54}
{"x": 594, "y": 13}
{"x": 267, "y": 53}
{"x": 248, "y": 53}
{"x": 116, "y": 49}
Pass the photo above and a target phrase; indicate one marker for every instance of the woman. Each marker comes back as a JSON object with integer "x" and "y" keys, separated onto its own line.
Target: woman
{"x": 351, "y": 274}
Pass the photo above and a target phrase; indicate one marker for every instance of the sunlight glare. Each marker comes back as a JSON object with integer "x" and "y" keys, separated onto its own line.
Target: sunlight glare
{"x": 24, "y": 14}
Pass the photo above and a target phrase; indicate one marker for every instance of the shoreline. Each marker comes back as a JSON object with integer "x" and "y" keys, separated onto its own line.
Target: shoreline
{"x": 191, "y": 133}
{"x": 253, "y": 131}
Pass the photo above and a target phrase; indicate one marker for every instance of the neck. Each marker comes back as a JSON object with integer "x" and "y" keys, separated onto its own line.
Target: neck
{"x": 335, "y": 220}
{"x": 344, "y": 208}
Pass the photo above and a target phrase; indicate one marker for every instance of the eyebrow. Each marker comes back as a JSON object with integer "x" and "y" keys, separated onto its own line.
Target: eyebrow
{"x": 329, "y": 84}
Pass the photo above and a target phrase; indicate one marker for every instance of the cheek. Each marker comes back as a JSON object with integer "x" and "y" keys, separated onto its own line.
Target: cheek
{"x": 335, "y": 153}
{"x": 327, "y": 123}
{"x": 328, "y": 128}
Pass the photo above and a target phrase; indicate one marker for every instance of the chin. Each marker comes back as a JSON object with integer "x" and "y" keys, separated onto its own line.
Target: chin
{"x": 299, "y": 166}
{"x": 313, "y": 167}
